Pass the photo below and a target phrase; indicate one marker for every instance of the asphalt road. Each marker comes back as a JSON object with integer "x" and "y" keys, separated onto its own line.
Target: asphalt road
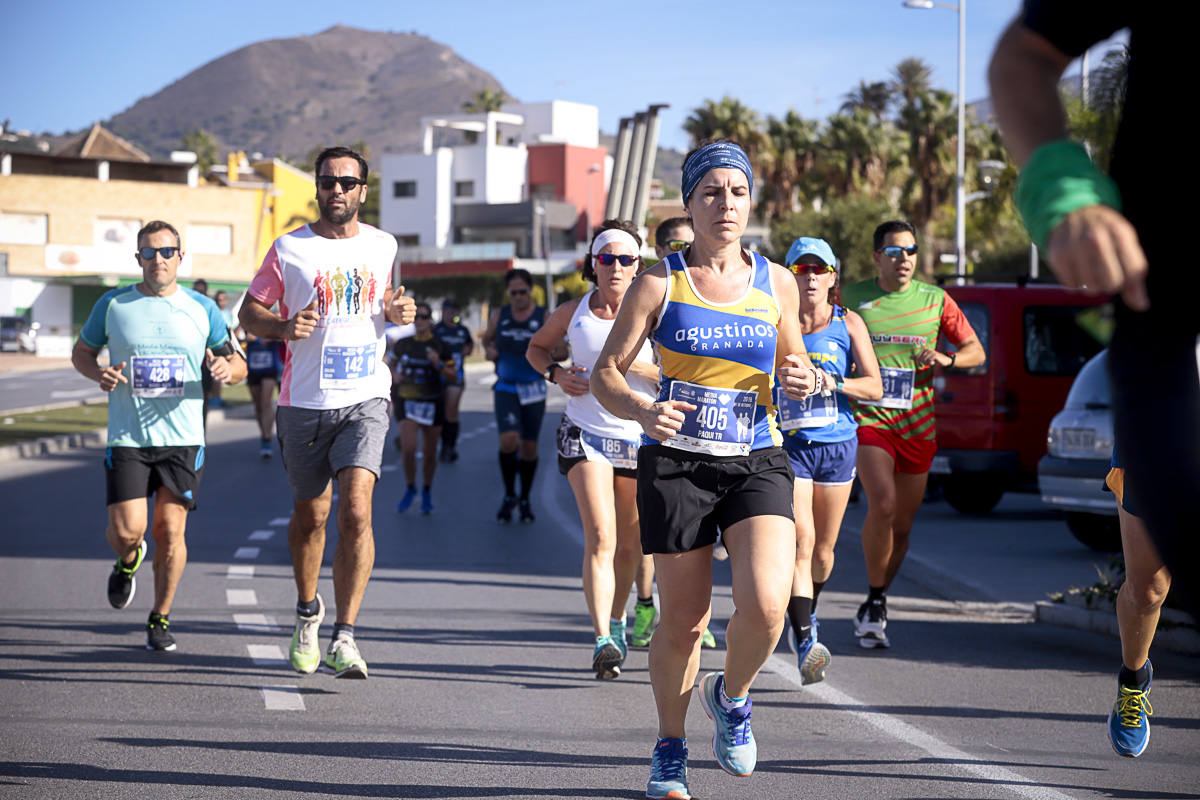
{"x": 479, "y": 650}
{"x": 30, "y": 388}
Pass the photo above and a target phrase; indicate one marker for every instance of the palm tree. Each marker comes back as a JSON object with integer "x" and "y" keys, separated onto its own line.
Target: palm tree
{"x": 486, "y": 100}
{"x": 910, "y": 79}
{"x": 727, "y": 119}
{"x": 872, "y": 97}
{"x": 859, "y": 155}
{"x": 790, "y": 153}
{"x": 931, "y": 121}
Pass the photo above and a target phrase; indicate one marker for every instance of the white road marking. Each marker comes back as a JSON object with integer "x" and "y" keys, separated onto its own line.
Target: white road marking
{"x": 262, "y": 535}
{"x": 265, "y": 655}
{"x": 279, "y": 521}
{"x": 390, "y": 467}
{"x": 256, "y": 623}
{"x": 241, "y": 597}
{"x": 71, "y": 394}
{"x": 246, "y": 552}
{"x": 898, "y": 729}
{"x": 239, "y": 571}
{"x": 282, "y": 698}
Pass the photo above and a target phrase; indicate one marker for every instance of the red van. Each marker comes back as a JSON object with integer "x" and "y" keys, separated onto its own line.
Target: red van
{"x": 992, "y": 419}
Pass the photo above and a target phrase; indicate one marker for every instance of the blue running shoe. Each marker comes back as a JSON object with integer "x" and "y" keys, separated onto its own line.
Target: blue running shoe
{"x": 812, "y": 657}
{"x": 1129, "y": 720}
{"x": 733, "y": 742}
{"x": 668, "y": 771}
{"x": 815, "y": 625}
{"x": 617, "y": 631}
{"x": 426, "y": 501}
{"x": 606, "y": 658}
{"x": 407, "y": 500}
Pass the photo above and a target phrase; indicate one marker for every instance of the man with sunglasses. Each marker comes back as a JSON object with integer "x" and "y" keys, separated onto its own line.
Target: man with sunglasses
{"x": 332, "y": 416}
{"x": 896, "y": 435}
{"x": 519, "y": 393}
{"x": 158, "y": 334}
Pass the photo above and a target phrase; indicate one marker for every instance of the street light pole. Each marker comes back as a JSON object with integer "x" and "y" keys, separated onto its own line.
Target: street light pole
{"x": 592, "y": 170}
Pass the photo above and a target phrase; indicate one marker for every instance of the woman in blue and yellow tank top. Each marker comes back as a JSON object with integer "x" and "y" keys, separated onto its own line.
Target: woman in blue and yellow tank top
{"x": 724, "y": 323}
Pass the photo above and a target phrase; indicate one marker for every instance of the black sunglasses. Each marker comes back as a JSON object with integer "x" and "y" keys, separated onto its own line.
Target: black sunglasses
{"x": 607, "y": 259}
{"x": 423, "y": 316}
{"x": 517, "y": 292}
{"x": 347, "y": 182}
{"x": 896, "y": 251}
{"x": 147, "y": 253}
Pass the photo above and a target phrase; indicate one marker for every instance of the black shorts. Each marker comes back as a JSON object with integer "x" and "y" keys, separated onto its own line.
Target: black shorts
{"x": 136, "y": 472}
{"x": 256, "y": 378}
{"x": 401, "y": 411}
{"x": 512, "y": 416}
{"x": 684, "y": 499}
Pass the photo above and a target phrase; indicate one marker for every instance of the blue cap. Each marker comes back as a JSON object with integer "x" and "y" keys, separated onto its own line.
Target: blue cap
{"x": 806, "y": 245}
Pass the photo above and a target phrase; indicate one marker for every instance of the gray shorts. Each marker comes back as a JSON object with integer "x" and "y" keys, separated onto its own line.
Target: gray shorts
{"x": 316, "y": 445}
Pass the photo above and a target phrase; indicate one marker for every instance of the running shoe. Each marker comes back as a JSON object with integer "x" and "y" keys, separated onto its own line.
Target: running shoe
{"x": 264, "y": 450}
{"x": 812, "y": 657}
{"x": 870, "y": 624}
{"x": 668, "y": 771}
{"x": 645, "y": 617}
{"x": 444, "y": 455}
{"x": 344, "y": 659}
{"x": 305, "y": 653}
{"x": 405, "y": 502}
{"x": 616, "y": 630}
{"x": 453, "y": 454}
{"x": 606, "y": 658}
{"x": 707, "y": 639}
{"x": 527, "y": 511}
{"x": 426, "y": 501}
{"x": 1129, "y": 720}
{"x": 157, "y": 635}
{"x": 733, "y": 741}
{"x": 719, "y": 551}
{"x": 506, "y": 509}
{"x": 121, "y": 583}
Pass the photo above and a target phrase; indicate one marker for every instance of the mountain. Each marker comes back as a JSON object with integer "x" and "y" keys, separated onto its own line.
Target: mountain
{"x": 289, "y": 96}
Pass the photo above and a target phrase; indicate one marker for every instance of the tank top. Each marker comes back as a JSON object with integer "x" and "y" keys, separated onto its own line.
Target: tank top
{"x": 727, "y": 346}
{"x": 512, "y": 339}
{"x": 586, "y": 333}
{"x": 829, "y": 349}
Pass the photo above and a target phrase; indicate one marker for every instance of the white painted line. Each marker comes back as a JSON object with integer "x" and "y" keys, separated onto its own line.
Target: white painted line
{"x": 246, "y": 552}
{"x": 241, "y": 597}
{"x": 239, "y": 571}
{"x": 261, "y": 535}
{"x": 390, "y": 467}
{"x": 265, "y": 655}
{"x": 282, "y": 698}
{"x": 256, "y": 623}
{"x": 278, "y": 521}
{"x": 909, "y": 734}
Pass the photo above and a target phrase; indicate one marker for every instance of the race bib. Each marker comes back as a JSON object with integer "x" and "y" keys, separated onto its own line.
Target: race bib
{"x": 420, "y": 411}
{"x": 261, "y": 361}
{"x": 343, "y": 366}
{"x": 157, "y": 376}
{"x": 815, "y": 411}
{"x": 897, "y": 388}
{"x": 620, "y": 453}
{"x": 532, "y": 392}
{"x": 721, "y": 425}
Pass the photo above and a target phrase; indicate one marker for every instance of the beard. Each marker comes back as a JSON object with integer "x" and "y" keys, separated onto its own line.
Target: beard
{"x": 336, "y": 216}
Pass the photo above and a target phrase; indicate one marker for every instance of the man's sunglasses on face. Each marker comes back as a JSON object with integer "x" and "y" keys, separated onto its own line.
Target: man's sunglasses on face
{"x": 675, "y": 245}
{"x": 147, "y": 253}
{"x": 347, "y": 182}
{"x": 896, "y": 251}
{"x": 607, "y": 259}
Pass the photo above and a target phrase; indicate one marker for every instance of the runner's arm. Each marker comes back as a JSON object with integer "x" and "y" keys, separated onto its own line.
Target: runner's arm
{"x": 257, "y": 318}
{"x": 489, "y": 336}
{"x": 868, "y": 385}
{"x": 84, "y": 359}
{"x": 793, "y": 369}
{"x": 550, "y": 337}
{"x": 969, "y": 352}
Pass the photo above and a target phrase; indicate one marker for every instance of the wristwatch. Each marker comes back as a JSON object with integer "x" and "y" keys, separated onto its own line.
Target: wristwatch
{"x": 838, "y": 382}
{"x": 953, "y": 356}
{"x": 550, "y": 372}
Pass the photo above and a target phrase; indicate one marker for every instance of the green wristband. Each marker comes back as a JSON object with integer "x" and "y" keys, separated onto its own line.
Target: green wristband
{"x": 1060, "y": 178}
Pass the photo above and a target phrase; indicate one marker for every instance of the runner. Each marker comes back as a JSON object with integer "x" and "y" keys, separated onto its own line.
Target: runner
{"x": 264, "y": 363}
{"x": 333, "y": 398}
{"x": 451, "y": 331}
{"x": 722, "y": 320}
{"x": 1141, "y": 597}
{"x": 158, "y": 334}
{"x": 419, "y": 365}
{"x": 597, "y": 451}
{"x": 520, "y": 390}
{"x": 896, "y": 434}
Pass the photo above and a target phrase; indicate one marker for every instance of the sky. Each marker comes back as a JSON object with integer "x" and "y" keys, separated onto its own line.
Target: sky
{"x": 68, "y": 64}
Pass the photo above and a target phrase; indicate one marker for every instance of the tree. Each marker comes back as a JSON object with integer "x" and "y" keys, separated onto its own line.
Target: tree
{"x": 486, "y": 100}
{"x": 847, "y": 223}
{"x": 857, "y": 154}
{"x": 727, "y": 119}
{"x": 789, "y": 155}
{"x": 204, "y": 145}
{"x": 931, "y": 122}
{"x": 871, "y": 97}
{"x": 911, "y": 78}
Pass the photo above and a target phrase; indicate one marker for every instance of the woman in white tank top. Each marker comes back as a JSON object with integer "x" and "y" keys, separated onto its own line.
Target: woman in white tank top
{"x": 597, "y": 451}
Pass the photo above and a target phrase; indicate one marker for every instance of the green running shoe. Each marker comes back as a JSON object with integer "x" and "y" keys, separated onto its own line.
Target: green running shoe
{"x": 344, "y": 659}
{"x": 305, "y": 653}
{"x": 707, "y": 639}
{"x": 645, "y": 617}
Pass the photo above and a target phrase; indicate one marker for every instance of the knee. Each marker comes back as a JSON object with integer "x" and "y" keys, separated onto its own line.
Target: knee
{"x": 681, "y": 632}
{"x": 883, "y": 508}
{"x": 307, "y": 520}
{"x": 1145, "y": 596}
{"x": 353, "y": 518}
{"x": 762, "y": 613}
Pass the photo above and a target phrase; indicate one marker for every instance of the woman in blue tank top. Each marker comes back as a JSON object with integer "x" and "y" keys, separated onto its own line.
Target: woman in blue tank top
{"x": 723, "y": 321}
{"x": 820, "y": 438}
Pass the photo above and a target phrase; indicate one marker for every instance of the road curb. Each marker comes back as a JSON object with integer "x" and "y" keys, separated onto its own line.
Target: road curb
{"x": 1180, "y": 639}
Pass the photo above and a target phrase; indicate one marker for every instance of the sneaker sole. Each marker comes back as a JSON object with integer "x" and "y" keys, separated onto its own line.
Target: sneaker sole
{"x": 671, "y": 795}
{"x": 639, "y": 644}
{"x": 353, "y": 672}
{"x": 607, "y": 664}
{"x": 704, "y": 701}
{"x": 168, "y": 649}
{"x": 813, "y": 669}
{"x": 871, "y": 641}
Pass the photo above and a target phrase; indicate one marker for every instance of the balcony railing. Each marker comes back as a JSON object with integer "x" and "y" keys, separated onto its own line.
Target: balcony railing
{"x": 486, "y": 251}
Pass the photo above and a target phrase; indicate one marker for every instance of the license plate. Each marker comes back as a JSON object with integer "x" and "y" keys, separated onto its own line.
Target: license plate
{"x": 940, "y": 465}
{"x": 1079, "y": 440}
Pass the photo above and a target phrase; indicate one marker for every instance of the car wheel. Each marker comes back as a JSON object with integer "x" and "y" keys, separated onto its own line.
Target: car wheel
{"x": 973, "y": 494}
{"x": 1098, "y": 531}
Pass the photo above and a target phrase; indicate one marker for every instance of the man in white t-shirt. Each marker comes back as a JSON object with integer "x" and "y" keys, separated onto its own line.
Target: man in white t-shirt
{"x": 332, "y": 280}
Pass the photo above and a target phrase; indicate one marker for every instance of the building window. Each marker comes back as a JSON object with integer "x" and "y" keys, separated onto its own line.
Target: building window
{"x": 408, "y": 239}
{"x": 215, "y": 240}
{"x": 404, "y": 189}
{"x": 117, "y": 238}
{"x": 464, "y": 188}
{"x": 22, "y": 228}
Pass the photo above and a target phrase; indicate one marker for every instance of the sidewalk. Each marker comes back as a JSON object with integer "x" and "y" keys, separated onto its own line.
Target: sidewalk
{"x": 28, "y": 362}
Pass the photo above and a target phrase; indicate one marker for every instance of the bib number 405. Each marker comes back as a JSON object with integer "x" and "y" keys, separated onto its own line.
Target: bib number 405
{"x": 713, "y": 417}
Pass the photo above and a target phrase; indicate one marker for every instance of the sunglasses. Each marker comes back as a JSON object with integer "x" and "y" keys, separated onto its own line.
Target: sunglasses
{"x": 424, "y": 316}
{"x": 675, "y": 245}
{"x": 347, "y": 182}
{"x": 147, "y": 253}
{"x": 608, "y": 259}
{"x": 896, "y": 251}
{"x": 815, "y": 269}
{"x": 517, "y": 292}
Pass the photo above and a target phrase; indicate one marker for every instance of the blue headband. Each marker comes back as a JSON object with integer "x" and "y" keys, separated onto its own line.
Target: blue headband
{"x": 714, "y": 156}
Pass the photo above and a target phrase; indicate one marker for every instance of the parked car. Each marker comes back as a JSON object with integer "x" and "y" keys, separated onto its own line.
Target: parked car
{"x": 1079, "y": 447}
{"x": 992, "y": 419}
{"x": 17, "y": 335}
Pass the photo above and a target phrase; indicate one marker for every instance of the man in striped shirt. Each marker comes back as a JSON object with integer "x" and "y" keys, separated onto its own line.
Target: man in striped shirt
{"x": 896, "y": 435}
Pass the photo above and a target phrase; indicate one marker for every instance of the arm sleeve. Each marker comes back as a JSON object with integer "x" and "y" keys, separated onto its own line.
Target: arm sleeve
{"x": 267, "y": 285}
{"x": 1075, "y": 25}
{"x": 954, "y": 322}
{"x": 95, "y": 331}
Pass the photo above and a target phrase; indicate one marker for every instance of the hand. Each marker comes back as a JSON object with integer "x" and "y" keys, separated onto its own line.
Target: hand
{"x": 830, "y": 381}
{"x": 401, "y": 310}
{"x": 217, "y": 366}
{"x": 111, "y": 375}
{"x": 928, "y": 357}
{"x": 301, "y": 326}
{"x": 663, "y": 420}
{"x": 573, "y": 380}
{"x": 492, "y": 353}
{"x": 798, "y": 380}
{"x": 1095, "y": 248}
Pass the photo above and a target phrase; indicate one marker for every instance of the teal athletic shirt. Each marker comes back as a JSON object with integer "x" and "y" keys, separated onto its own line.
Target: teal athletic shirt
{"x": 162, "y": 342}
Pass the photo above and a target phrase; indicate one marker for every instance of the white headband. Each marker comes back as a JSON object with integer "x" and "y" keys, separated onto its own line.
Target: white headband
{"x": 614, "y": 235}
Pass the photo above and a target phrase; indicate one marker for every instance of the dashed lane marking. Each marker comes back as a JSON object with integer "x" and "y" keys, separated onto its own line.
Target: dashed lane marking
{"x": 239, "y": 571}
{"x": 282, "y": 698}
{"x": 279, "y": 521}
{"x": 246, "y": 552}
{"x": 241, "y": 597}
{"x": 256, "y": 623}
{"x": 262, "y": 535}
{"x": 265, "y": 655}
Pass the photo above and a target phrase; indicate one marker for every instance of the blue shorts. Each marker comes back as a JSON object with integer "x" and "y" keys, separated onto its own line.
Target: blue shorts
{"x": 823, "y": 463}
{"x": 512, "y": 416}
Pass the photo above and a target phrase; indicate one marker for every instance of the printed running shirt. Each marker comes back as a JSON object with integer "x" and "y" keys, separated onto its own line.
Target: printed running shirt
{"x": 161, "y": 340}
{"x": 828, "y": 349}
{"x": 900, "y": 324}
{"x": 341, "y": 363}
{"x": 417, "y": 378}
{"x": 703, "y": 346}
{"x": 456, "y": 336}
{"x": 511, "y": 341}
